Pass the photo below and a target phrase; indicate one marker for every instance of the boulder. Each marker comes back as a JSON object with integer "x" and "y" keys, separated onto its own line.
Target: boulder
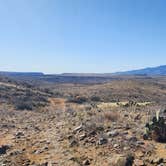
{"x": 120, "y": 160}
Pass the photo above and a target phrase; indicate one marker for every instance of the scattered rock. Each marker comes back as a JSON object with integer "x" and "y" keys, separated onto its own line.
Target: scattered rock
{"x": 125, "y": 133}
{"x": 70, "y": 137}
{"x": 127, "y": 127}
{"x": 82, "y": 137}
{"x": 92, "y": 133}
{"x": 26, "y": 162}
{"x": 126, "y": 148}
{"x": 162, "y": 164}
{"x": 140, "y": 143}
{"x": 133, "y": 139}
{"x": 102, "y": 141}
{"x": 19, "y": 134}
{"x": 138, "y": 162}
{"x": 79, "y": 128}
{"x": 86, "y": 162}
{"x": 40, "y": 150}
{"x": 126, "y": 115}
{"x": 137, "y": 117}
{"x": 73, "y": 143}
{"x": 44, "y": 164}
{"x": 119, "y": 160}
{"x": 157, "y": 161}
{"x": 113, "y": 133}
{"x": 116, "y": 146}
{"x": 16, "y": 152}
{"x": 140, "y": 154}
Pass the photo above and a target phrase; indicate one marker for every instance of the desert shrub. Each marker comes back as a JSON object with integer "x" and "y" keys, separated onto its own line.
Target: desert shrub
{"x": 42, "y": 99}
{"x": 47, "y": 90}
{"x": 95, "y": 98}
{"x": 29, "y": 101}
{"x": 93, "y": 127}
{"x": 22, "y": 105}
{"x": 156, "y": 129}
{"x": 77, "y": 99}
{"x": 111, "y": 116}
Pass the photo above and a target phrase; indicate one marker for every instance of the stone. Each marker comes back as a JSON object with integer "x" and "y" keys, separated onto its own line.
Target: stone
{"x": 14, "y": 153}
{"x": 73, "y": 143}
{"x": 19, "y": 134}
{"x": 138, "y": 162}
{"x": 78, "y": 128}
{"x": 40, "y": 150}
{"x": 137, "y": 117}
{"x": 140, "y": 154}
{"x": 116, "y": 146}
{"x": 81, "y": 137}
{"x": 133, "y": 139}
{"x": 102, "y": 141}
{"x": 113, "y": 133}
{"x": 140, "y": 143}
{"x": 92, "y": 133}
{"x": 126, "y": 115}
{"x": 162, "y": 164}
{"x": 157, "y": 160}
{"x": 44, "y": 164}
{"x": 70, "y": 137}
{"x": 126, "y": 132}
{"x": 119, "y": 160}
{"x": 127, "y": 127}
{"x": 86, "y": 162}
{"x": 126, "y": 148}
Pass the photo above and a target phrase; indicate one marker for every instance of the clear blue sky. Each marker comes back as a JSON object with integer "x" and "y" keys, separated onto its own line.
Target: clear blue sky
{"x": 56, "y": 36}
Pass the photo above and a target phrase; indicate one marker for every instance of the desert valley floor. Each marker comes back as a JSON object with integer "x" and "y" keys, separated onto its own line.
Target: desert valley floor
{"x": 74, "y": 124}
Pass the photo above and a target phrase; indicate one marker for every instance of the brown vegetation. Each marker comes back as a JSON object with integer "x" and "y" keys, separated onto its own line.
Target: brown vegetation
{"x": 72, "y": 125}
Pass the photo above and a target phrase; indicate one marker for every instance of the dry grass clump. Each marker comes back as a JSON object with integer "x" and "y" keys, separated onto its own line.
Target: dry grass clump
{"x": 111, "y": 116}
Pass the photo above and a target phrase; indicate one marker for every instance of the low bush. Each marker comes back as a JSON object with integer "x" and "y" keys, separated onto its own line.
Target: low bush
{"x": 78, "y": 99}
{"x": 111, "y": 116}
{"x": 95, "y": 98}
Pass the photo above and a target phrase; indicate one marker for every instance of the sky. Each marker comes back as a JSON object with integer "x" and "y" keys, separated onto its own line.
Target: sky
{"x": 81, "y": 36}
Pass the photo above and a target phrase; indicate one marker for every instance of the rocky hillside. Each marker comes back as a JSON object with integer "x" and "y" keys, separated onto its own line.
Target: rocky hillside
{"x": 21, "y": 95}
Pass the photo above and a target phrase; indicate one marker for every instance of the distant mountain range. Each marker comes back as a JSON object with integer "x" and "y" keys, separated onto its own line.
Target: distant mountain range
{"x": 150, "y": 71}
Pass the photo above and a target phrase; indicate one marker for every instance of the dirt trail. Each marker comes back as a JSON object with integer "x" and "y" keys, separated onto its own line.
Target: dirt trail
{"x": 58, "y": 103}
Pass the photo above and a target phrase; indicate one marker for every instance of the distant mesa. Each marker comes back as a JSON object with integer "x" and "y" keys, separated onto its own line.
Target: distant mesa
{"x": 4, "y": 73}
